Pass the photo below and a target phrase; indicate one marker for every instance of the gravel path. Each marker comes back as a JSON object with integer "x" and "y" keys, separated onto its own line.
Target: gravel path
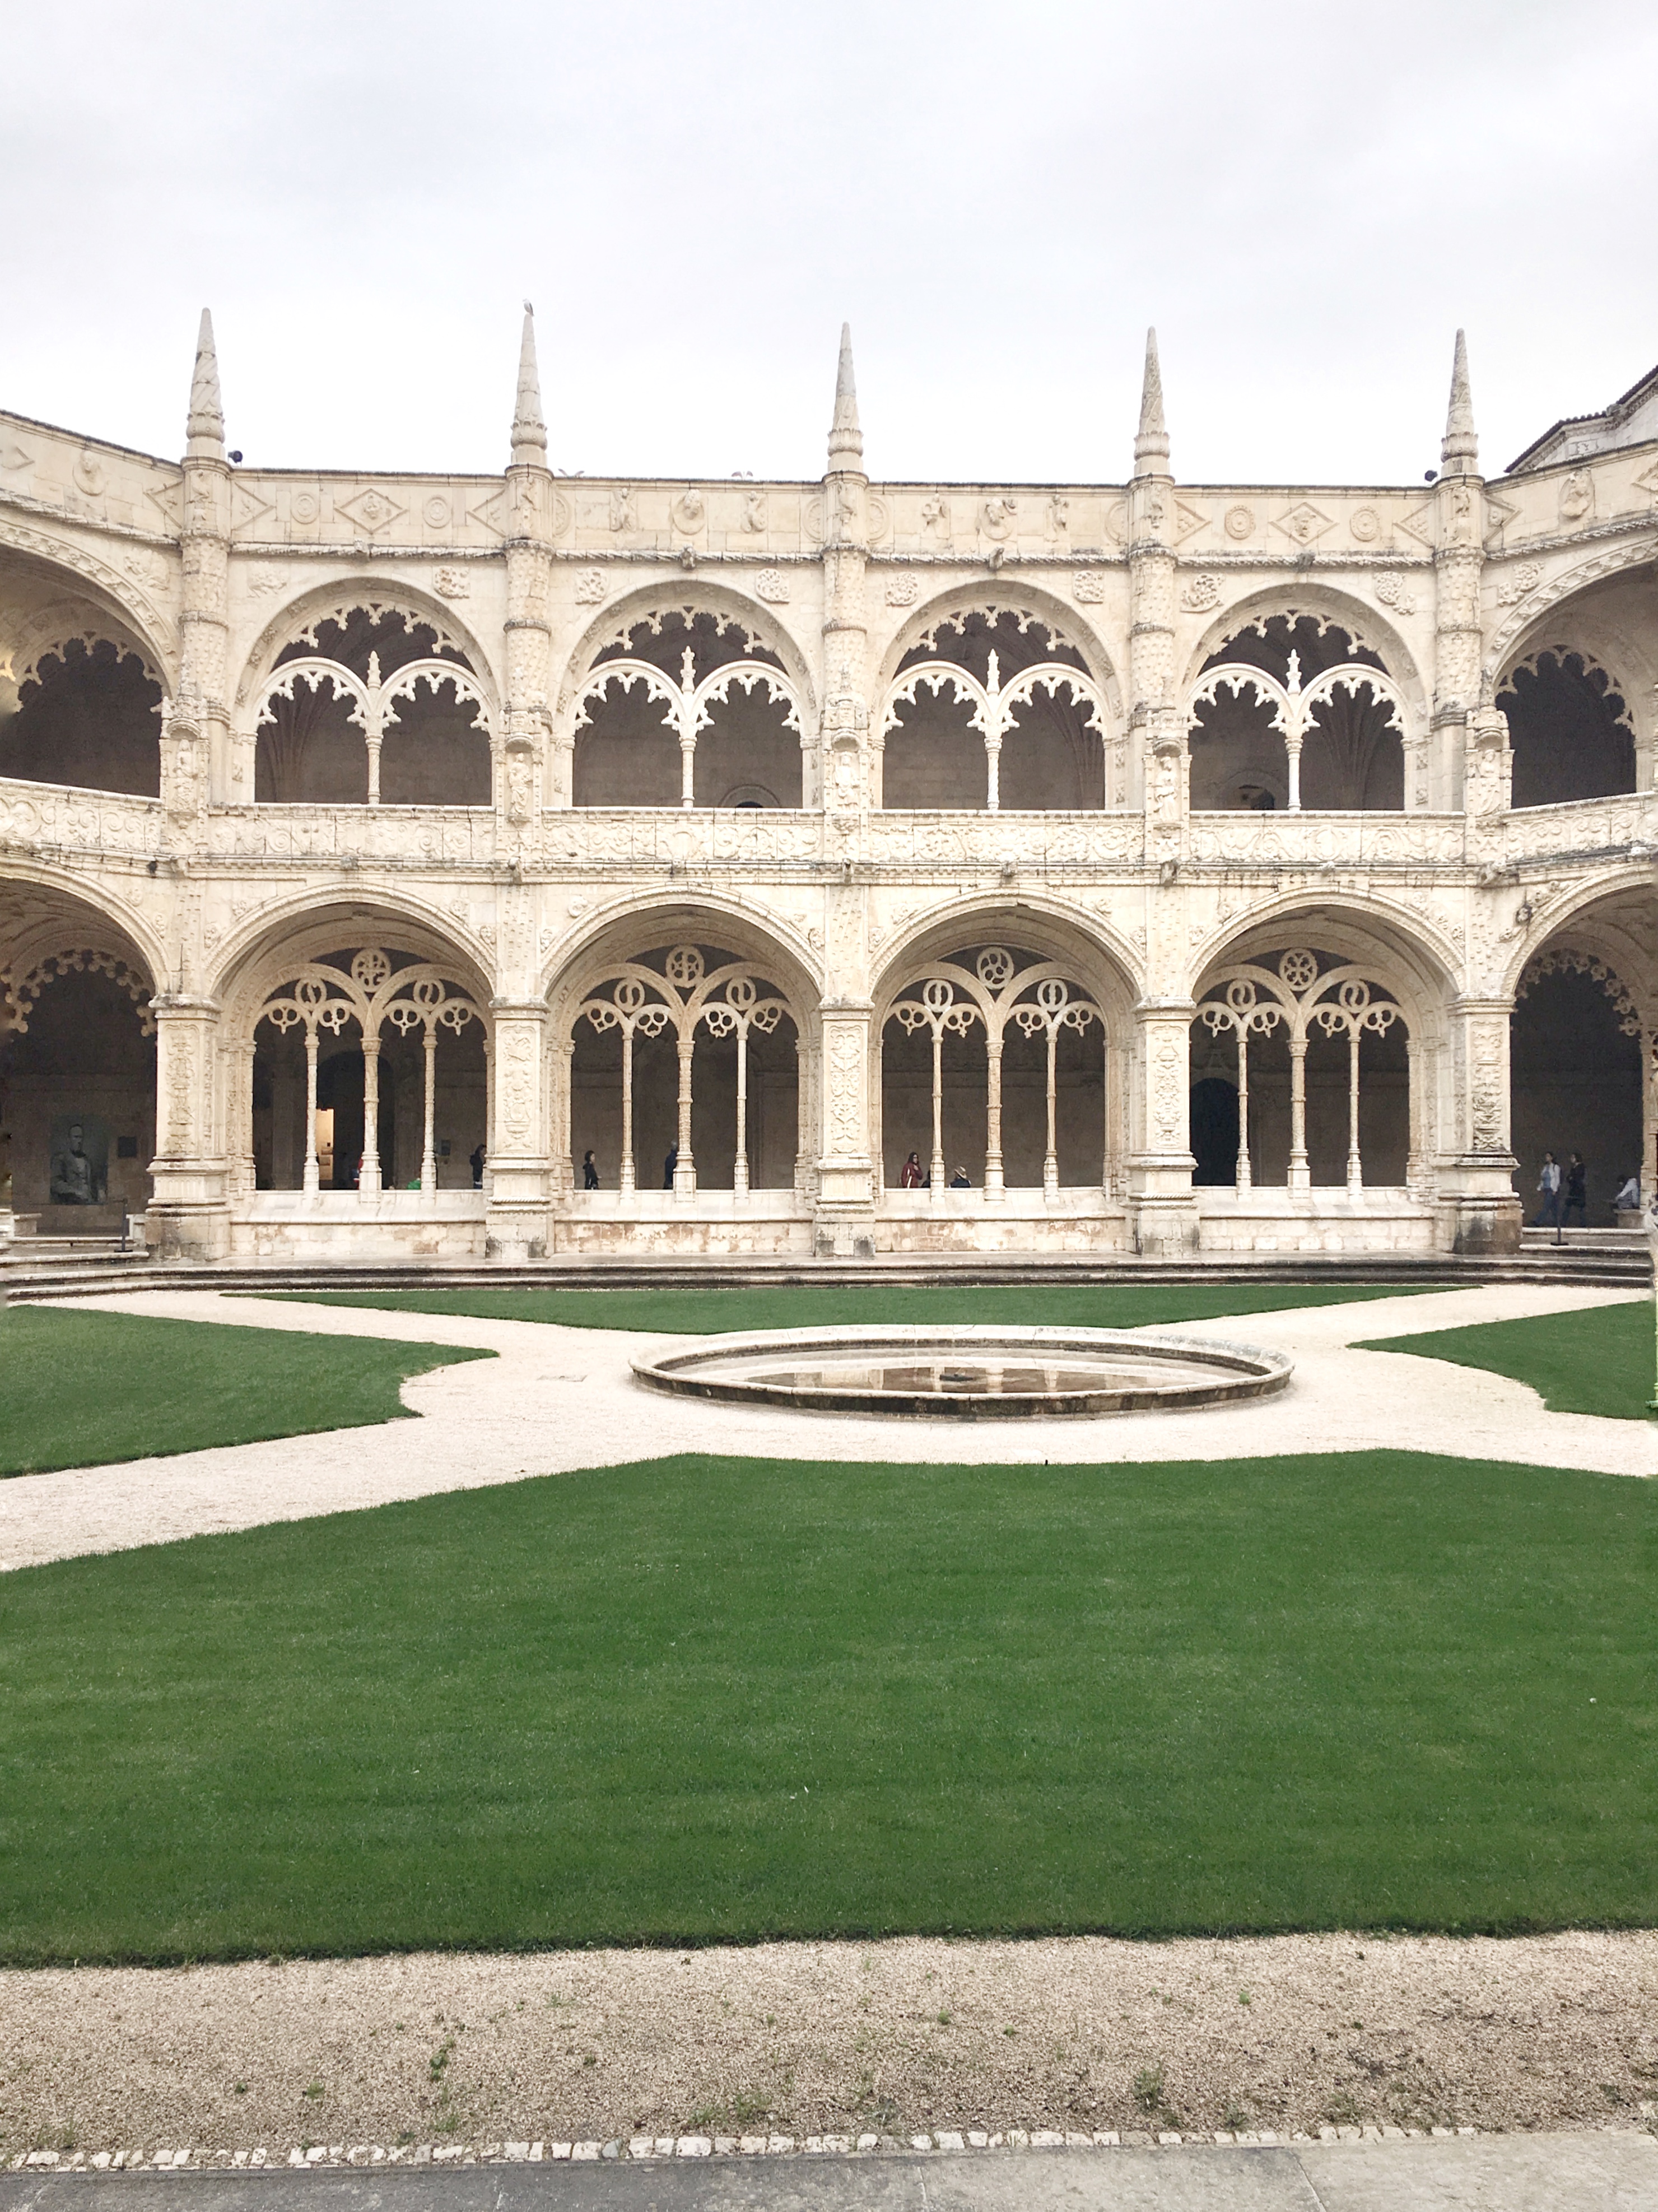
{"x": 557, "y": 1398}
{"x": 1285, "y": 2032}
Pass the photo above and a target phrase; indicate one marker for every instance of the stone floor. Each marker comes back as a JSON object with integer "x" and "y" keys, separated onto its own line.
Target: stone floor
{"x": 558, "y": 1399}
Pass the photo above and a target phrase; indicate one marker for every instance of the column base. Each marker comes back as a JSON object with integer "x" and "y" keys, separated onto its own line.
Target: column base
{"x": 513, "y": 1234}
{"x": 1164, "y": 1227}
{"x": 183, "y": 1231}
{"x": 1480, "y": 1214}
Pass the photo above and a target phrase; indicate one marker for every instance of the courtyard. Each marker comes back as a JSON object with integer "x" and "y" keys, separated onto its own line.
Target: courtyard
{"x": 511, "y": 1752}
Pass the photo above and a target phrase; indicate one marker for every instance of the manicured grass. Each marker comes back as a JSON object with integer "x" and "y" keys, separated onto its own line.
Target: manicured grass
{"x": 706, "y": 1313}
{"x": 79, "y": 1388}
{"x": 1597, "y": 1361}
{"x": 722, "y": 1698}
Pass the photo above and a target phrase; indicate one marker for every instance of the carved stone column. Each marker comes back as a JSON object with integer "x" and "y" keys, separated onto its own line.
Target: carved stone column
{"x": 196, "y": 727}
{"x": 845, "y": 1194}
{"x": 516, "y": 1220}
{"x": 1479, "y": 1211}
{"x": 1458, "y": 560}
{"x": 189, "y": 1214}
{"x": 845, "y": 1200}
{"x": 1161, "y": 1208}
{"x": 521, "y": 745}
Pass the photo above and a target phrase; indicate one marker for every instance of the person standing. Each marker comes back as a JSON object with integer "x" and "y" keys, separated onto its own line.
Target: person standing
{"x": 1577, "y": 1192}
{"x": 671, "y": 1164}
{"x": 911, "y": 1177}
{"x": 475, "y": 1162}
{"x": 1548, "y": 1183}
{"x": 589, "y": 1172}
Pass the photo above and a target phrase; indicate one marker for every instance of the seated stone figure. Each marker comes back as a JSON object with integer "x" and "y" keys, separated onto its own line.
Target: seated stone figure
{"x": 76, "y": 1178}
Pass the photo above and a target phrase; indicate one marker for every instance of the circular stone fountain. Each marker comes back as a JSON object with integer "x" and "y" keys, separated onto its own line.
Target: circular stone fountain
{"x": 968, "y": 1374}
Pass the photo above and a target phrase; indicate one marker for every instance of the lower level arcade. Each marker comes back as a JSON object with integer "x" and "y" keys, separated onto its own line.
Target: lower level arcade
{"x": 350, "y": 1094}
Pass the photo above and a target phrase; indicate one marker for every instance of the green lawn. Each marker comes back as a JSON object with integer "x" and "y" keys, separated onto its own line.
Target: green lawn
{"x": 1598, "y": 1361}
{"x": 79, "y": 1388}
{"x": 702, "y": 1313}
{"x": 709, "y": 1698}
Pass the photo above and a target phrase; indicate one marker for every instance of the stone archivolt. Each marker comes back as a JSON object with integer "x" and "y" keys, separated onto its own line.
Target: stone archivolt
{"x": 819, "y": 718}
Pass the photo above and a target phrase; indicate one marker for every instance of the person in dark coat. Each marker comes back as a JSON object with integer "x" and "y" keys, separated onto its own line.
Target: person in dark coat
{"x": 476, "y": 1164}
{"x": 1577, "y": 1191}
{"x": 669, "y": 1165}
{"x": 589, "y": 1172}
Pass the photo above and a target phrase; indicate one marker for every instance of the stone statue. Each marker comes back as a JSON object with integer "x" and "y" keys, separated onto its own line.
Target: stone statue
{"x": 76, "y": 1178}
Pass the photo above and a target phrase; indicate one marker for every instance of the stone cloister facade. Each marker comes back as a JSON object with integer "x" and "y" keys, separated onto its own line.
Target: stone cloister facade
{"x": 437, "y": 867}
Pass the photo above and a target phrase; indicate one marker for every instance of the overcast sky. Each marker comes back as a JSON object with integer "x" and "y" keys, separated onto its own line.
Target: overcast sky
{"x": 1306, "y": 199}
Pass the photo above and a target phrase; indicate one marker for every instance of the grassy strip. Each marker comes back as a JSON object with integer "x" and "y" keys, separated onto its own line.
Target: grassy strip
{"x": 1597, "y": 1361}
{"x": 77, "y": 1390}
{"x": 718, "y": 1699}
{"x": 693, "y": 1312}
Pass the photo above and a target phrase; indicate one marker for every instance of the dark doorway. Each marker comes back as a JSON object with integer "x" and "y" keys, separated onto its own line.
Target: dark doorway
{"x": 1215, "y": 1130}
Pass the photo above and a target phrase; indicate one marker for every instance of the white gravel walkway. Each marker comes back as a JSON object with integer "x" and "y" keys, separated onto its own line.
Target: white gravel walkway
{"x": 558, "y": 1399}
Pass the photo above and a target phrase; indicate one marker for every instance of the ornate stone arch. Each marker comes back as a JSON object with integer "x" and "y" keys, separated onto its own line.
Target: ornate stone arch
{"x": 45, "y": 912}
{"x": 752, "y": 616}
{"x": 1543, "y": 596}
{"x": 1330, "y": 608}
{"x": 1426, "y": 968}
{"x": 671, "y": 916}
{"x": 682, "y": 970}
{"x": 1109, "y": 966}
{"x": 1032, "y": 689}
{"x": 340, "y": 596}
{"x": 397, "y": 947}
{"x": 306, "y": 926}
{"x": 995, "y": 968}
{"x": 1572, "y": 914}
{"x": 1009, "y": 595}
{"x": 83, "y": 576}
{"x": 1304, "y": 968}
{"x": 700, "y": 703}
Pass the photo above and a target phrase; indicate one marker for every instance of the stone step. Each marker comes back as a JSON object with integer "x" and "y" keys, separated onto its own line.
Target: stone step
{"x": 1590, "y": 1266}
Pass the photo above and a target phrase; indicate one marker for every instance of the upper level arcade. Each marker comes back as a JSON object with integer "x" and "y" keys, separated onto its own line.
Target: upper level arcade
{"x": 276, "y": 657}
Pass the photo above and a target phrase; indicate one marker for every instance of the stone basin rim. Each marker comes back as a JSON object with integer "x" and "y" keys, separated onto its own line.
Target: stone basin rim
{"x": 1238, "y": 1371}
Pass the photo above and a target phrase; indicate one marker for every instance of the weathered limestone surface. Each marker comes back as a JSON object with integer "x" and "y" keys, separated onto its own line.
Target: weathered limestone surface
{"x": 831, "y": 631}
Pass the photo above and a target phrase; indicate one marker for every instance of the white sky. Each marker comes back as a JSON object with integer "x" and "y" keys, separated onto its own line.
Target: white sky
{"x": 1000, "y": 194}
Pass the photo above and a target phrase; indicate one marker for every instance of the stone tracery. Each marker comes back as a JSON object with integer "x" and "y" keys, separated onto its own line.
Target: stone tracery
{"x": 1298, "y": 677}
{"x": 730, "y": 998}
{"x": 1001, "y": 990}
{"x": 1303, "y": 994}
{"x": 354, "y": 655}
{"x": 1014, "y": 681}
{"x": 373, "y": 992}
{"x": 728, "y": 706}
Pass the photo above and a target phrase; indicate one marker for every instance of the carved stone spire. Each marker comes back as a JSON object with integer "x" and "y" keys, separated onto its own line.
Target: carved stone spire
{"x": 846, "y": 440}
{"x": 204, "y": 426}
{"x": 1151, "y": 439}
{"x": 529, "y": 431}
{"x": 1458, "y": 452}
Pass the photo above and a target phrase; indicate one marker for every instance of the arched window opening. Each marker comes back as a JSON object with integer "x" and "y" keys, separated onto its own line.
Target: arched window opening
{"x": 683, "y": 708}
{"x": 369, "y": 1073}
{"x": 993, "y": 708}
{"x": 992, "y": 1075}
{"x": 85, "y": 712}
{"x": 1300, "y": 1078}
{"x": 78, "y": 1092}
{"x": 1575, "y": 1076}
{"x": 372, "y": 706}
{"x": 1293, "y": 712}
{"x": 685, "y": 1074}
{"x": 1570, "y": 730}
